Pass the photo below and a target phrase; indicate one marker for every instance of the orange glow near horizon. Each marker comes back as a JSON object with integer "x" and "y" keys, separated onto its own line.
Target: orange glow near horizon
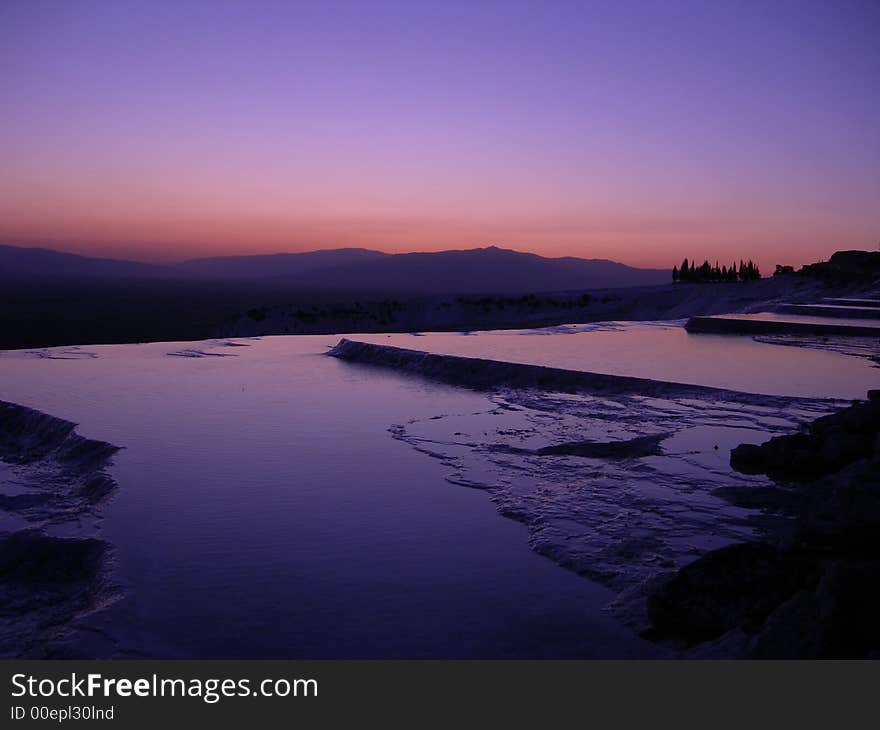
{"x": 162, "y": 132}
{"x": 654, "y": 243}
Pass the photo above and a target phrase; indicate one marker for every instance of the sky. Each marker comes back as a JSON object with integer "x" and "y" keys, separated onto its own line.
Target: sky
{"x": 637, "y": 131}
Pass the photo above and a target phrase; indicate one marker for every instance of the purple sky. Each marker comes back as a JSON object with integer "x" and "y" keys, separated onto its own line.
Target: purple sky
{"x": 638, "y": 131}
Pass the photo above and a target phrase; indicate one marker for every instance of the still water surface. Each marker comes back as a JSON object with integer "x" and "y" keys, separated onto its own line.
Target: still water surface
{"x": 264, "y": 511}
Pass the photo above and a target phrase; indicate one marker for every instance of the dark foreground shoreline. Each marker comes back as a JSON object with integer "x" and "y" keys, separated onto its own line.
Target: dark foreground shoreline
{"x": 812, "y": 589}
{"x": 46, "y": 579}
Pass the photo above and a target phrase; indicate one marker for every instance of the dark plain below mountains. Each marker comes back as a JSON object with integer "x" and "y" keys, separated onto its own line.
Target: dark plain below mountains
{"x": 50, "y": 298}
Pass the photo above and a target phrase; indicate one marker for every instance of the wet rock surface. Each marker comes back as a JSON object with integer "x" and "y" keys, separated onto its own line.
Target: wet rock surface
{"x": 737, "y": 586}
{"x": 813, "y": 589}
{"x": 827, "y": 445}
{"x": 628, "y": 449}
{"x": 44, "y": 583}
{"x": 52, "y": 482}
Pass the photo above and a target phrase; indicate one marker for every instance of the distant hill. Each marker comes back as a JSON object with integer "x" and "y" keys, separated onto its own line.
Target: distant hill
{"x": 17, "y": 260}
{"x": 278, "y": 264}
{"x": 489, "y": 270}
{"x": 481, "y": 270}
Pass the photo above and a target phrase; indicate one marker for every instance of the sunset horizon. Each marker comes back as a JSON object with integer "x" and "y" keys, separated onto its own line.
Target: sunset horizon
{"x": 168, "y": 132}
{"x": 169, "y": 254}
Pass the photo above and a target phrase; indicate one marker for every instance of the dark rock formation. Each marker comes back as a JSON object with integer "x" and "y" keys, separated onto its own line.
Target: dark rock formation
{"x": 812, "y": 590}
{"x": 826, "y": 446}
{"x": 736, "y": 586}
{"x": 840, "y": 514}
{"x": 68, "y": 470}
{"x": 28, "y": 436}
{"x": 846, "y": 267}
{"x": 46, "y": 581}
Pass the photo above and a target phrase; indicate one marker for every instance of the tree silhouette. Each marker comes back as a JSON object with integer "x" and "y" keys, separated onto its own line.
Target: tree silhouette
{"x": 705, "y": 272}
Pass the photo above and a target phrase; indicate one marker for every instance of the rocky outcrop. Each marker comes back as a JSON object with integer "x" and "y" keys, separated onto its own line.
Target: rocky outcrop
{"x": 846, "y": 267}
{"x": 827, "y": 445}
{"x": 734, "y": 587}
{"x": 46, "y": 581}
{"x": 812, "y": 589}
{"x": 71, "y": 468}
{"x": 28, "y": 436}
